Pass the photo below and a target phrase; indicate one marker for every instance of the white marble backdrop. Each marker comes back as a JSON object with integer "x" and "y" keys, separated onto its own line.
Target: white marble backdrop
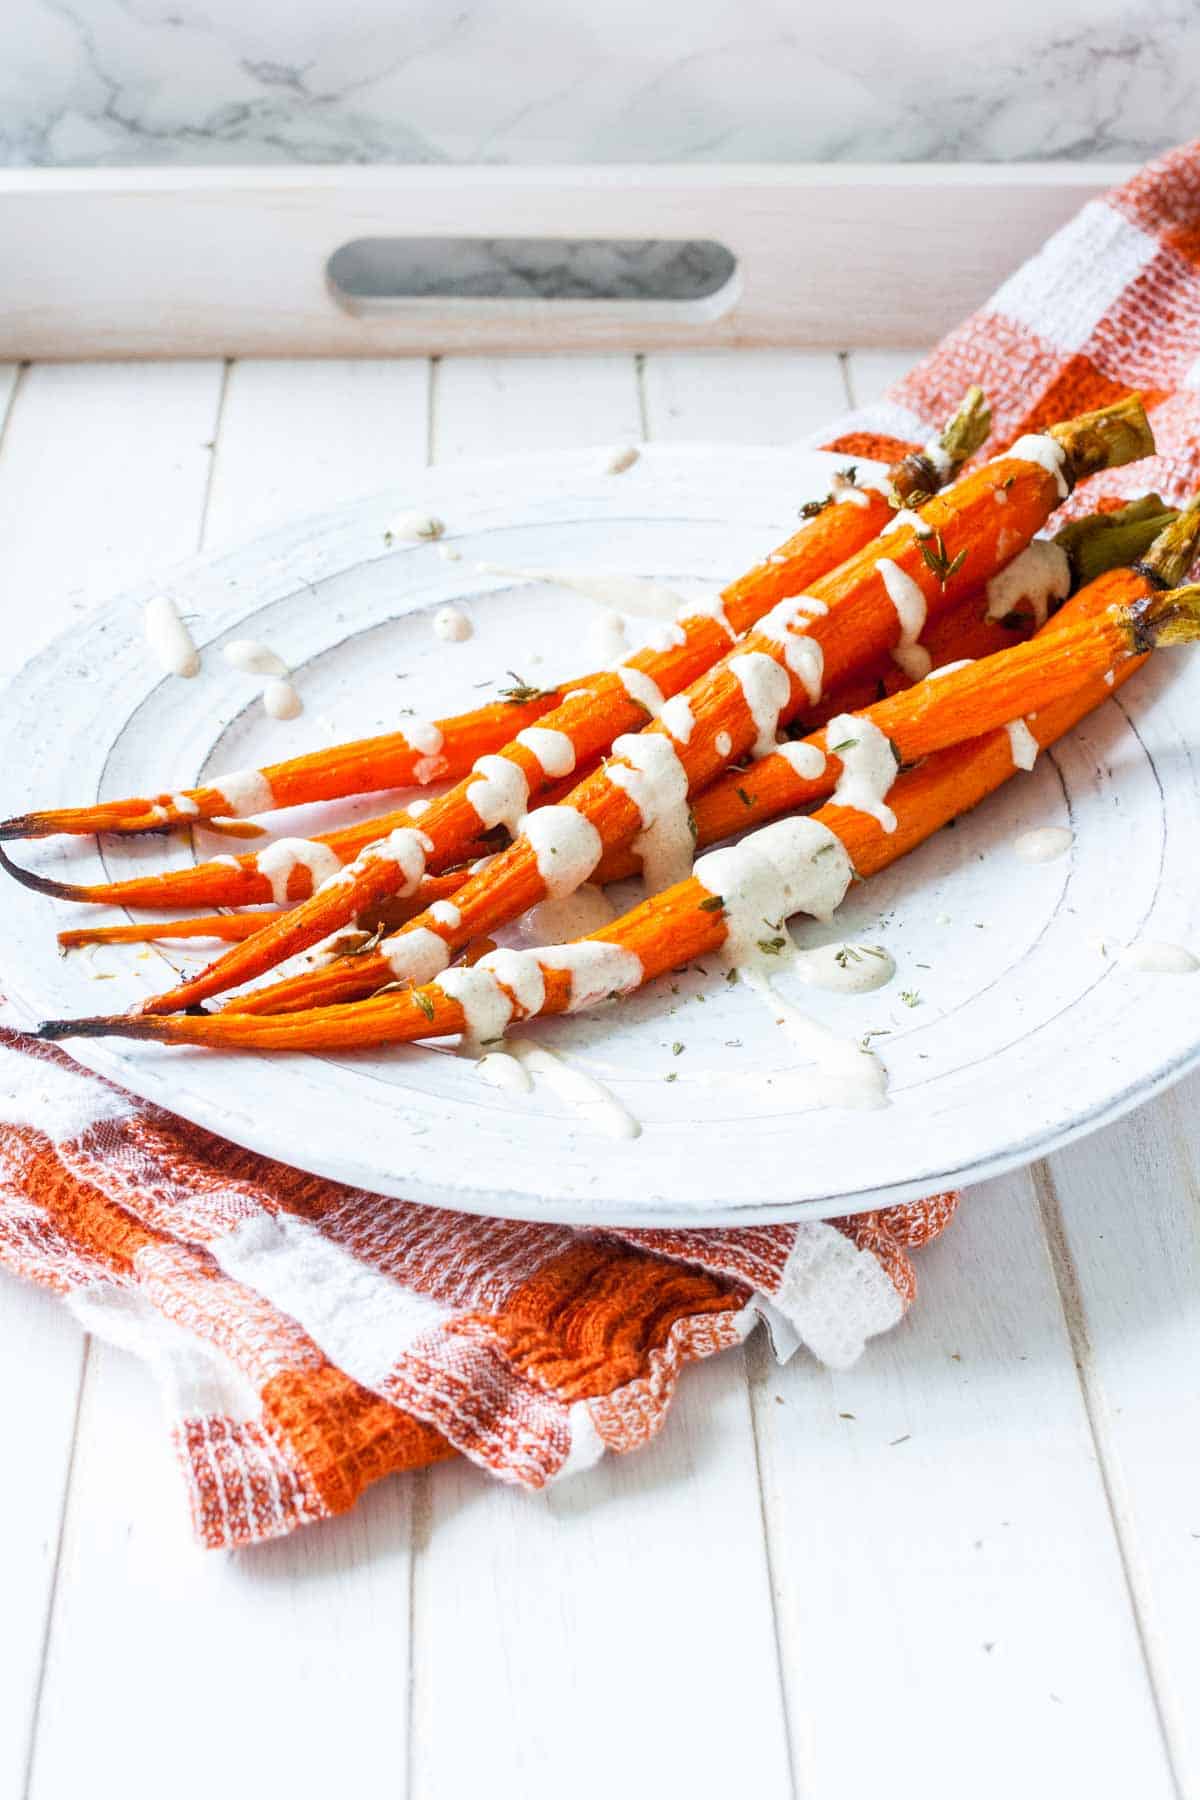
{"x": 264, "y": 81}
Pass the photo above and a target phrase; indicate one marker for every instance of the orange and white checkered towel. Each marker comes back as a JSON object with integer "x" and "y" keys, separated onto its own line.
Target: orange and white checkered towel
{"x": 312, "y": 1338}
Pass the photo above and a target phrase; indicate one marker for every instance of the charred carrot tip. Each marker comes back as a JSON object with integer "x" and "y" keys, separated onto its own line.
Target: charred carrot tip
{"x": 42, "y": 884}
{"x": 50, "y": 1030}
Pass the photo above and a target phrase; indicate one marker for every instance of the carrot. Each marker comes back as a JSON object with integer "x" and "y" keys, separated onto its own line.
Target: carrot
{"x": 690, "y": 920}
{"x": 1096, "y": 632}
{"x": 845, "y": 617}
{"x": 450, "y": 747}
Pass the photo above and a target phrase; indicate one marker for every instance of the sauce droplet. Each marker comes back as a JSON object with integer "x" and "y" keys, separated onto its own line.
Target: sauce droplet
{"x": 1151, "y": 958}
{"x": 1044, "y": 845}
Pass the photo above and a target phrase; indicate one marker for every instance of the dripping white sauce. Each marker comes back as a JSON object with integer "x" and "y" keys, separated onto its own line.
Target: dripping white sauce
{"x": 1038, "y": 575}
{"x": 844, "y": 492}
{"x": 1046, "y": 844}
{"x": 501, "y": 793}
{"x": 500, "y": 1070}
{"x": 169, "y": 638}
{"x": 225, "y": 862}
{"x": 664, "y": 637}
{"x": 723, "y": 744}
{"x": 416, "y": 808}
{"x": 795, "y": 865}
{"x": 591, "y": 1099}
{"x": 641, "y": 689}
{"x": 677, "y": 716}
{"x": 709, "y": 609}
{"x": 655, "y": 780}
{"x": 846, "y": 968}
{"x": 565, "y": 844}
{"x": 486, "y": 1007}
{"x": 785, "y": 626}
{"x": 414, "y": 527}
{"x": 805, "y": 760}
{"x": 950, "y": 668}
{"x": 607, "y": 639}
{"x": 1023, "y": 744}
{"x": 244, "y": 792}
{"x": 552, "y": 750}
{"x": 910, "y": 606}
{"x": 254, "y": 658}
{"x": 185, "y": 806}
{"x": 416, "y": 956}
{"x": 844, "y": 1074}
{"x": 277, "y": 862}
{"x": 1046, "y": 452}
{"x": 904, "y": 515}
{"x": 766, "y": 691}
{"x": 868, "y": 767}
{"x": 1150, "y": 958}
{"x": 451, "y": 624}
{"x": 572, "y": 916}
{"x": 281, "y": 700}
{"x": 621, "y": 459}
{"x": 597, "y": 969}
{"x": 407, "y": 847}
{"x": 446, "y": 913}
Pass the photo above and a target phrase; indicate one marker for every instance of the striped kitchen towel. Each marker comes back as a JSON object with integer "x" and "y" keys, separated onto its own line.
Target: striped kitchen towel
{"x": 311, "y": 1338}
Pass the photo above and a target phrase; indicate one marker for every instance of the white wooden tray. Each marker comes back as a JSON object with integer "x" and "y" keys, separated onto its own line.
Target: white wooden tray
{"x": 1024, "y": 1035}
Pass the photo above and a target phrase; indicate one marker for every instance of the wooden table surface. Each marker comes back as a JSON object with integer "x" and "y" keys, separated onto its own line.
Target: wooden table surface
{"x": 969, "y": 1565}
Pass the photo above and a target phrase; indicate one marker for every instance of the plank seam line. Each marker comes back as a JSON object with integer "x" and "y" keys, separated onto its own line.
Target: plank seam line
{"x": 432, "y": 384}
{"x": 1095, "y": 1406}
{"x": 35, "y": 1713}
{"x": 756, "y": 1359}
{"x": 420, "y": 1521}
{"x": 7, "y": 415}
{"x": 643, "y": 405}
{"x": 214, "y": 451}
{"x": 844, "y": 368}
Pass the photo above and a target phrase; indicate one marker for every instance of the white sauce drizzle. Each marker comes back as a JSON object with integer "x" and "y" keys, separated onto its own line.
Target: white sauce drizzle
{"x": 845, "y": 1074}
{"x": 486, "y": 1007}
{"x": 597, "y": 969}
{"x": 552, "y": 750}
{"x": 277, "y": 861}
{"x": 663, "y": 637}
{"x": 1046, "y": 844}
{"x": 708, "y": 609}
{"x": 254, "y": 658}
{"x": 225, "y": 862}
{"x": 641, "y": 689}
{"x": 446, "y": 913}
{"x": 417, "y": 956}
{"x": 950, "y": 668}
{"x": 804, "y": 658}
{"x": 723, "y": 744}
{"x": 607, "y": 640}
{"x": 677, "y": 716}
{"x": 281, "y": 699}
{"x": 566, "y": 845}
{"x": 451, "y": 624}
{"x": 169, "y": 638}
{"x": 591, "y": 1099}
{"x": 805, "y": 760}
{"x": 500, "y": 1070}
{"x": 795, "y": 865}
{"x": 1023, "y": 744}
{"x": 407, "y": 847}
{"x": 846, "y": 968}
{"x": 844, "y": 492}
{"x": 909, "y": 602}
{"x": 868, "y": 767}
{"x": 1046, "y": 452}
{"x": 766, "y": 691}
{"x": 244, "y": 792}
{"x": 1039, "y": 574}
{"x": 414, "y": 527}
{"x": 620, "y": 593}
{"x": 425, "y": 736}
{"x": 572, "y": 916}
{"x": 501, "y": 793}
{"x": 656, "y": 781}
{"x": 185, "y": 806}
{"x": 906, "y": 516}
{"x": 1151, "y": 958}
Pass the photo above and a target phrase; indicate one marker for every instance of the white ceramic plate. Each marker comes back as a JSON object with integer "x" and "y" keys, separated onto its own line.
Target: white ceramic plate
{"x": 1025, "y": 1035}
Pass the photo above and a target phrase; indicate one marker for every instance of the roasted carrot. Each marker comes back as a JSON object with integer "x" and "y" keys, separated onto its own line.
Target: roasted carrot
{"x": 880, "y": 596}
{"x": 690, "y": 920}
{"x": 1096, "y": 632}
{"x": 450, "y": 747}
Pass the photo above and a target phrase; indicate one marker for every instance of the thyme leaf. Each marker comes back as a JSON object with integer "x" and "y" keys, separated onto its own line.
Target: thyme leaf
{"x": 522, "y": 691}
{"x": 713, "y": 903}
{"x": 424, "y": 1002}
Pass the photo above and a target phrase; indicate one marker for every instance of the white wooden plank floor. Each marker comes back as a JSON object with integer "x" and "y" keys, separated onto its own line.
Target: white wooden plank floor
{"x": 971, "y": 1562}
